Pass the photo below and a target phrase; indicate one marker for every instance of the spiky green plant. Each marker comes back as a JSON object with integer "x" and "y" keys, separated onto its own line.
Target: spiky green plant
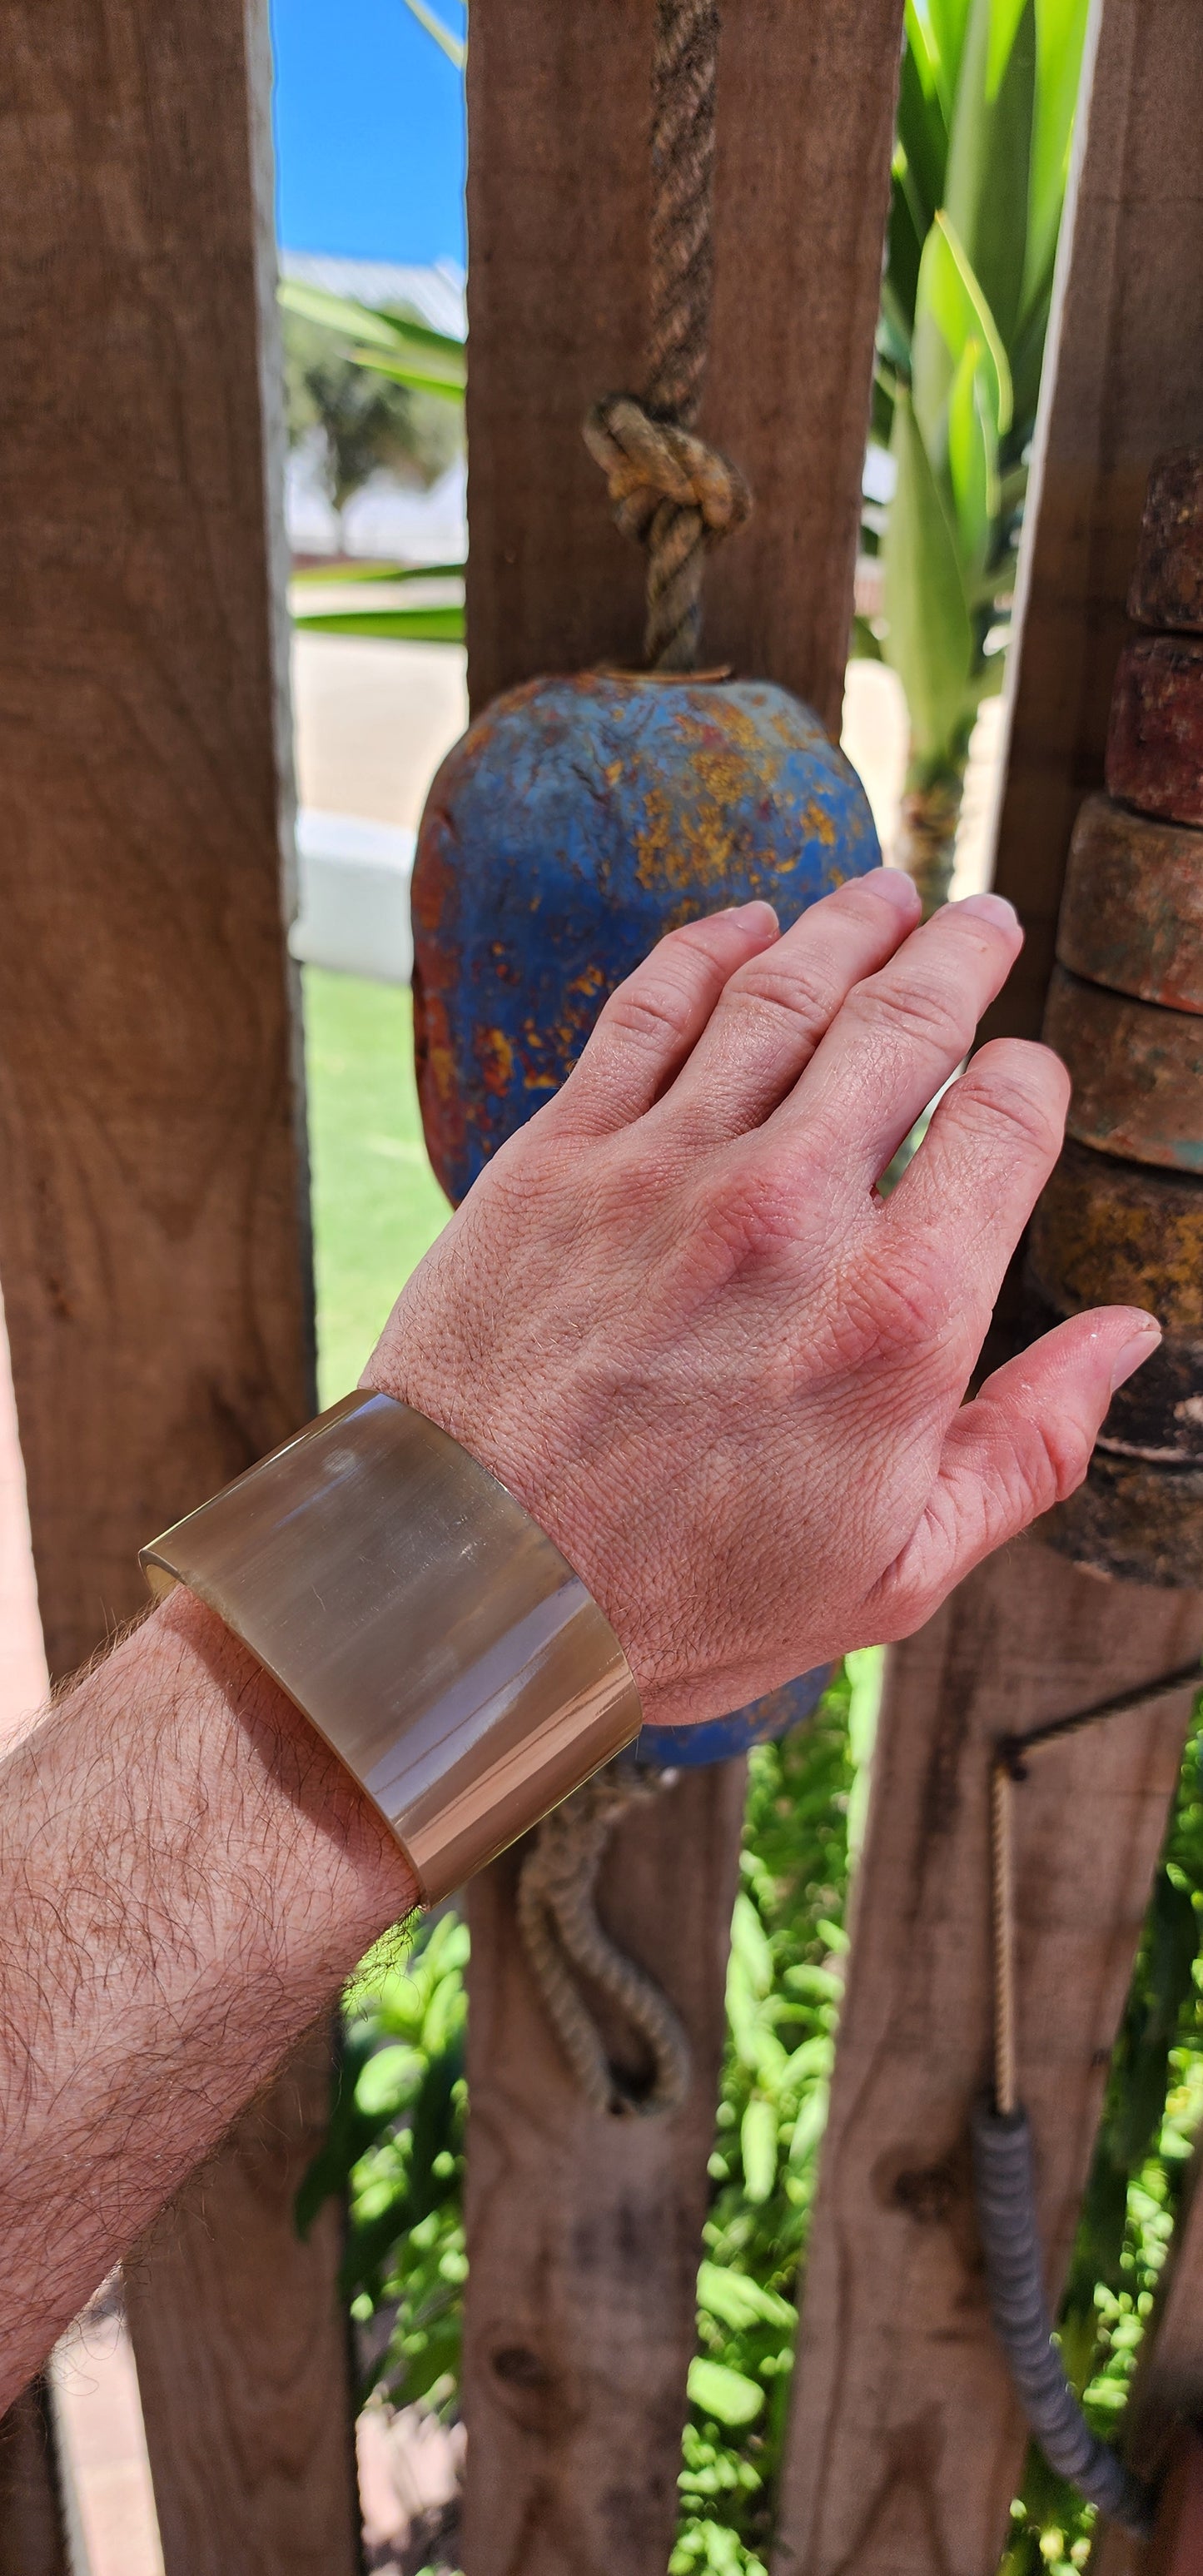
{"x": 986, "y": 113}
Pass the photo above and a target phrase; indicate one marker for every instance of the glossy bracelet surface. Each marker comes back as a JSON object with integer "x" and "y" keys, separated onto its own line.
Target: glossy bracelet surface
{"x": 423, "y": 1622}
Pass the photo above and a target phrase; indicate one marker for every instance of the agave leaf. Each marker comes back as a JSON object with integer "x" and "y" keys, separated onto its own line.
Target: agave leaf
{"x": 397, "y": 625}
{"x": 972, "y": 460}
{"x": 1060, "y": 37}
{"x": 989, "y": 151}
{"x": 424, "y": 375}
{"x": 318, "y": 574}
{"x": 928, "y": 640}
{"x": 951, "y": 310}
{"x": 942, "y": 25}
{"x": 412, "y": 351}
{"x": 453, "y": 46}
{"x": 922, "y": 133}
{"x": 864, "y": 646}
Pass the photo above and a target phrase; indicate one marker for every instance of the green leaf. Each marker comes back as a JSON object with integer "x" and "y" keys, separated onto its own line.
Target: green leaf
{"x": 758, "y": 2147}
{"x": 398, "y": 625}
{"x": 809, "y": 2126}
{"x": 928, "y": 639}
{"x": 739, "y": 2302}
{"x": 317, "y": 574}
{"x": 989, "y": 151}
{"x": 749, "y": 1943}
{"x": 410, "y": 352}
{"x": 1060, "y": 37}
{"x": 950, "y": 312}
{"x": 453, "y": 46}
{"x": 864, "y": 644}
{"x": 725, "y": 2394}
{"x": 972, "y": 459}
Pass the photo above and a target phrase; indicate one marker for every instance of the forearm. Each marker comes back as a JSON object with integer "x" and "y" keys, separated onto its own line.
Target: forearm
{"x": 187, "y": 1874}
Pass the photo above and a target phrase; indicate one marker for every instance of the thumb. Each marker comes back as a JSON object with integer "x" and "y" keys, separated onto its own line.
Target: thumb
{"x": 1023, "y": 1444}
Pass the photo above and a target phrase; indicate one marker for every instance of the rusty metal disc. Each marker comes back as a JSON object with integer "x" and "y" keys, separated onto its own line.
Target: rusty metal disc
{"x": 1132, "y": 910}
{"x": 1112, "y": 1233}
{"x": 1155, "y": 740}
{"x": 1136, "y": 1069}
{"x": 1167, "y": 585}
{"x": 1158, "y": 1414}
{"x": 1136, "y": 1523}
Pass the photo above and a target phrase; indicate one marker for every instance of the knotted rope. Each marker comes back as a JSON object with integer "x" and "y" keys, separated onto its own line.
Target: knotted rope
{"x": 557, "y": 1917}
{"x": 667, "y": 487}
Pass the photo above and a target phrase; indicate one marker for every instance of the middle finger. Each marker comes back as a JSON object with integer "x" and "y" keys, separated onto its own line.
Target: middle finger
{"x": 901, "y": 1033}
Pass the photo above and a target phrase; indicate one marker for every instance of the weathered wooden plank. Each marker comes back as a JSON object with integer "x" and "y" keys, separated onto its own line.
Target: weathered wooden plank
{"x": 153, "y": 1236}
{"x": 243, "y": 2353}
{"x": 584, "y": 2233}
{"x": 32, "y": 2538}
{"x": 558, "y": 104}
{"x": 905, "y": 2446}
{"x": 906, "y": 2442}
{"x": 1126, "y": 383}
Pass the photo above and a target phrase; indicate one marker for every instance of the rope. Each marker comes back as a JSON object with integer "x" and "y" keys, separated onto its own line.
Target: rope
{"x": 1005, "y": 2191}
{"x": 557, "y": 1918}
{"x": 1004, "y": 2180}
{"x": 668, "y": 489}
{"x": 1003, "y": 1914}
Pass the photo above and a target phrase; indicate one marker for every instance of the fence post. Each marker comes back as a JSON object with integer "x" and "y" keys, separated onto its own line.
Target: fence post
{"x": 153, "y": 1234}
{"x": 906, "y": 2445}
{"x": 584, "y": 2233}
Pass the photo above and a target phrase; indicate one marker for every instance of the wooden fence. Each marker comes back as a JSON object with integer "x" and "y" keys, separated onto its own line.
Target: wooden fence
{"x": 153, "y": 1235}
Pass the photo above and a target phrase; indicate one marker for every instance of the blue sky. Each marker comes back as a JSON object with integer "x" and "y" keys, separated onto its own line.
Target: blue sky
{"x": 369, "y": 131}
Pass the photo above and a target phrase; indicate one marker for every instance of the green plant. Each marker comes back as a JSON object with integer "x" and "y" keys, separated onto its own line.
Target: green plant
{"x": 396, "y": 2136}
{"x": 363, "y": 416}
{"x": 381, "y": 389}
{"x": 985, "y": 121}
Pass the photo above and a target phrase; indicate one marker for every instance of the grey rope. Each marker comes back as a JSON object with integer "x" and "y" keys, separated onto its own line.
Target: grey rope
{"x": 1004, "y": 2178}
{"x": 557, "y": 1918}
{"x": 1006, "y": 2209}
{"x": 668, "y": 489}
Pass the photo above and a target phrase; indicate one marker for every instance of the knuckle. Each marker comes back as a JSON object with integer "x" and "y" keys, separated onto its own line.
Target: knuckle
{"x": 912, "y": 1009}
{"x": 784, "y": 994}
{"x": 1005, "y": 1099}
{"x": 650, "y": 1007}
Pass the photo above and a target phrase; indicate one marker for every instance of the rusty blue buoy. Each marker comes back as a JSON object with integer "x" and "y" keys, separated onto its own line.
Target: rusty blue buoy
{"x": 575, "y": 822}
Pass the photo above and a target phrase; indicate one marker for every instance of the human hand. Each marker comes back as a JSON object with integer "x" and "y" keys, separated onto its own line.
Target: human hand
{"x": 677, "y": 1320}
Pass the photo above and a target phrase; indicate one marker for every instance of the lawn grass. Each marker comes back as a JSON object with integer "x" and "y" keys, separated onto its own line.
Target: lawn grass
{"x": 376, "y": 1203}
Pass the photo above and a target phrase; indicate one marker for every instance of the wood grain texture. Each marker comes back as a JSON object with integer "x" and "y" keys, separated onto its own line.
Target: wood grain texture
{"x": 243, "y": 2355}
{"x": 153, "y": 1226}
{"x": 1125, "y": 383}
{"x": 32, "y": 2537}
{"x": 559, "y": 120}
{"x": 906, "y": 2443}
{"x": 584, "y": 2232}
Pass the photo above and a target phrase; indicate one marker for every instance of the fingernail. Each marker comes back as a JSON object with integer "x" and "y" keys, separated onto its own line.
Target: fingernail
{"x": 896, "y": 886}
{"x": 750, "y": 912}
{"x": 990, "y": 907}
{"x": 1140, "y": 1347}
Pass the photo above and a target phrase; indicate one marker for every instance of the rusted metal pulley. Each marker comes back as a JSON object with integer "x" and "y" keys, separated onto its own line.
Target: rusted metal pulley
{"x": 577, "y": 820}
{"x": 1122, "y": 1218}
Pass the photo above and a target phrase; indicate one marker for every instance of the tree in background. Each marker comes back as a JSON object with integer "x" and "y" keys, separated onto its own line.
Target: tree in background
{"x": 361, "y": 419}
{"x": 989, "y": 89}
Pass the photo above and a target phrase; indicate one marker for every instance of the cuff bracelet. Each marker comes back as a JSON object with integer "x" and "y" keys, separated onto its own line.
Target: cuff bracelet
{"x": 421, "y": 1620}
